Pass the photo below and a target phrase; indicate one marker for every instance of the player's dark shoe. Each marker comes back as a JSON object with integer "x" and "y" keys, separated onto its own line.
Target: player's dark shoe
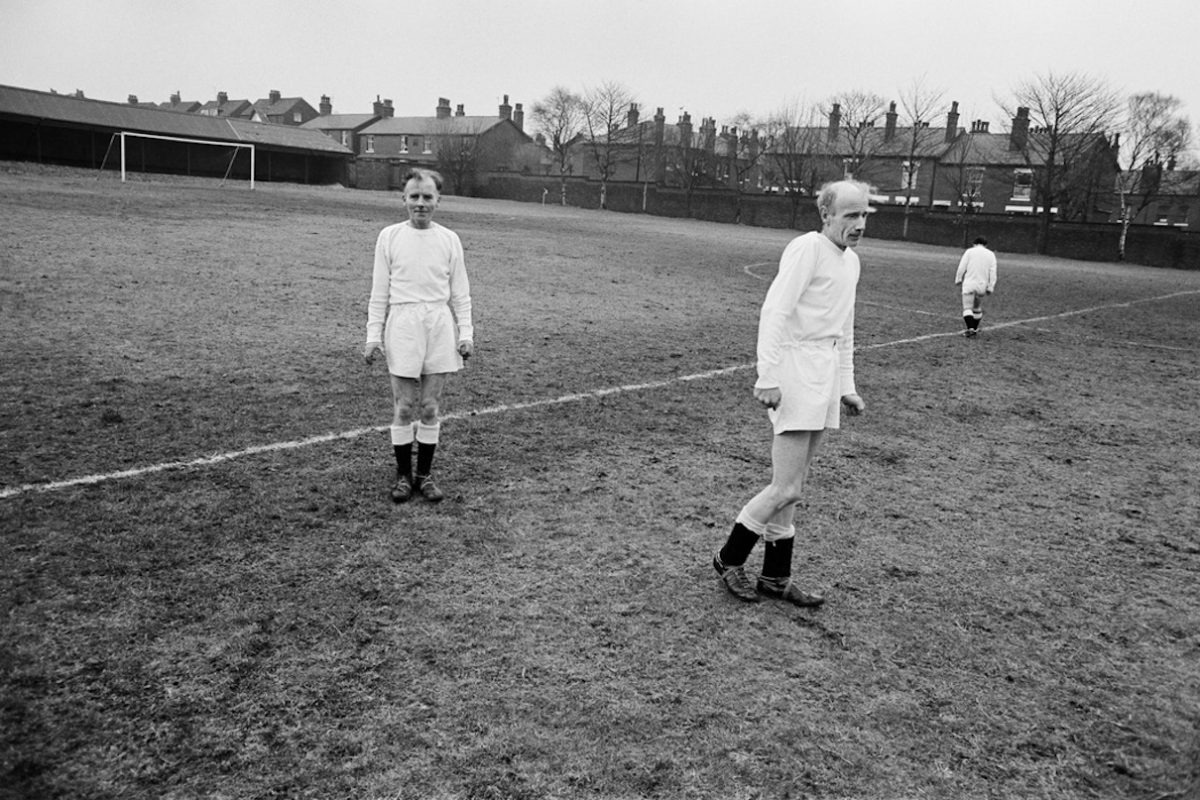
{"x": 403, "y": 489}
{"x": 736, "y": 581}
{"x": 429, "y": 490}
{"x": 786, "y": 590}
{"x": 970, "y": 333}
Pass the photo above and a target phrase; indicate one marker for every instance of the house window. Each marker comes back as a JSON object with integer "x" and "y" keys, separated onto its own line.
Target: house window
{"x": 1022, "y": 184}
{"x": 346, "y": 138}
{"x": 404, "y": 144}
{"x": 296, "y": 117}
{"x": 974, "y": 181}
{"x": 370, "y": 143}
{"x": 428, "y": 145}
{"x": 908, "y": 174}
{"x": 849, "y": 165}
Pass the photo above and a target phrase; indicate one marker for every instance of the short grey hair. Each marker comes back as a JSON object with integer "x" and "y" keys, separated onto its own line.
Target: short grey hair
{"x": 420, "y": 174}
{"x": 828, "y": 194}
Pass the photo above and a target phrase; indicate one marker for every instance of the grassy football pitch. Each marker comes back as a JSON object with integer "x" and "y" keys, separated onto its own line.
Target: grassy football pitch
{"x": 207, "y": 592}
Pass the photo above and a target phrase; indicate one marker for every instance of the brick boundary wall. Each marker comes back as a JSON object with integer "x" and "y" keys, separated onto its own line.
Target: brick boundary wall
{"x": 1147, "y": 245}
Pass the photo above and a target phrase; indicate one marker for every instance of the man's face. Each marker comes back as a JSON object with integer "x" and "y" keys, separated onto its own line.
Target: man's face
{"x": 846, "y": 220}
{"x": 420, "y": 198}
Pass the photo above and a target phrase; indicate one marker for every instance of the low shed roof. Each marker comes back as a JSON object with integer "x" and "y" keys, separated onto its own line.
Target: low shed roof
{"x": 34, "y": 105}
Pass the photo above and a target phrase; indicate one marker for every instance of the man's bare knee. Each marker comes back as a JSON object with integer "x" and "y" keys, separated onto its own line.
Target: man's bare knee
{"x": 402, "y": 412}
{"x": 429, "y": 410}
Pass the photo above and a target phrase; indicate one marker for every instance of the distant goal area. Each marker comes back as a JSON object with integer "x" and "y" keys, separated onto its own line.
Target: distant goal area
{"x": 133, "y": 152}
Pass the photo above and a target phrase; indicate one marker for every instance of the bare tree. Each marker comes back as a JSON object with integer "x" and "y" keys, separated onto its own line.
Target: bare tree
{"x": 686, "y": 164}
{"x": 856, "y": 112}
{"x": 745, "y": 153}
{"x": 1059, "y": 122}
{"x": 919, "y": 103}
{"x": 793, "y": 152}
{"x": 458, "y": 150}
{"x": 560, "y": 117}
{"x": 962, "y": 170}
{"x": 605, "y": 107}
{"x": 1155, "y": 133}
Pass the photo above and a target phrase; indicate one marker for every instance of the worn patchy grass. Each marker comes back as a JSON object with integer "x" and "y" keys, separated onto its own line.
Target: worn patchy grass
{"x": 1008, "y": 538}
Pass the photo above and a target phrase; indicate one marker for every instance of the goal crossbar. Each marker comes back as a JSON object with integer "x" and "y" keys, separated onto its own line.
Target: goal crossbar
{"x": 184, "y": 140}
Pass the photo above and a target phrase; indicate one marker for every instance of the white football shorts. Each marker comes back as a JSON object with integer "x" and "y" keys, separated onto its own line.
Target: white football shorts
{"x": 810, "y": 387}
{"x": 421, "y": 339}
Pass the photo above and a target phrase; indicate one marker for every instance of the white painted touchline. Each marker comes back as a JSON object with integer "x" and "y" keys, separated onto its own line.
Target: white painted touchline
{"x": 88, "y": 480}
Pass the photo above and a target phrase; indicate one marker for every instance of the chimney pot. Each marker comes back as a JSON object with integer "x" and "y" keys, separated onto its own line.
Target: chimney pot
{"x": 133, "y": 99}
{"x": 458, "y": 111}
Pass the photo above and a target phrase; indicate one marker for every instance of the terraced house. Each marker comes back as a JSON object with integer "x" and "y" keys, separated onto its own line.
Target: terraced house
{"x": 459, "y": 145}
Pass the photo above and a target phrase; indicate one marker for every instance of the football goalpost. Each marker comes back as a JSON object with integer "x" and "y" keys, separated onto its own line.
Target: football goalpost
{"x": 237, "y": 147}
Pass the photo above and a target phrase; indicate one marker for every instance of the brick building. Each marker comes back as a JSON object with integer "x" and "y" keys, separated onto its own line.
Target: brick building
{"x": 282, "y": 110}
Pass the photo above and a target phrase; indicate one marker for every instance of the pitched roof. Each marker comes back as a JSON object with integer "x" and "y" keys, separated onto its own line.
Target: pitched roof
{"x": 428, "y": 126}
{"x": 994, "y": 149}
{"x": 283, "y": 105}
{"x": 873, "y": 141}
{"x": 340, "y": 122}
{"x": 30, "y": 104}
{"x": 1174, "y": 183}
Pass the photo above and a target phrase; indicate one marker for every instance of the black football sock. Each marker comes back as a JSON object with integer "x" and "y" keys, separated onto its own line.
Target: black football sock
{"x": 403, "y": 459}
{"x": 777, "y": 559}
{"x": 967, "y": 320}
{"x": 738, "y": 546}
{"x": 425, "y": 458}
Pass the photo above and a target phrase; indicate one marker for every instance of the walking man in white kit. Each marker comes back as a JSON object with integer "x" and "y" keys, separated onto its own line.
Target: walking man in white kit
{"x": 805, "y": 376}
{"x": 419, "y": 317}
{"x": 977, "y": 275}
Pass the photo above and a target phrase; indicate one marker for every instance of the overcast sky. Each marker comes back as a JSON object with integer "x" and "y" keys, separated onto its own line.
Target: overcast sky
{"x": 706, "y": 57}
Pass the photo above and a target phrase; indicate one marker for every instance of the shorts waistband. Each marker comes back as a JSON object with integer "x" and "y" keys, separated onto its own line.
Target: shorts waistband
{"x": 821, "y": 343}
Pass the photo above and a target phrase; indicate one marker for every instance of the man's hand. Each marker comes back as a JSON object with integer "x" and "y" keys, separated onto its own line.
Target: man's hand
{"x": 466, "y": 349}
{"x": 854, "y": 404}
{"x": 370, "y": 349}
{"x": 771, "y": 398}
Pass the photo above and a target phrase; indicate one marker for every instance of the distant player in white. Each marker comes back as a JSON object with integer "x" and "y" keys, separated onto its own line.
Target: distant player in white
{"x": 805, "y": 375}
{"x": 419, "y": 317}
{"x": 977, "y": 275}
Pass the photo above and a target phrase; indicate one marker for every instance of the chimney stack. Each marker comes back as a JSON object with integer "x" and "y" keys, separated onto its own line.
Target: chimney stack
{"x": 222, "y": 98}
{"x": 443, "y": 108}
{"x": 1020, "y": 130}
{"x": 631, "y": 118}
{"x": 388, "y": 109}
{"x": 685, "y": 130}
{"x": 176, "y": 98}
{"x": 133, "y": 99}
{"x": 708, "y": 134}
{"x": 835, "y": 121}
{"x": 889, "y": 130}
{"x": 505, "y": 109}
{"x": 326, "y": 107}
{"x": 458, "y": 111}
{"x": 519, "y": 117}
{"x": 980, "y": 126}
{"x": 274, "y": 95}
{"x": 952, "y": 122}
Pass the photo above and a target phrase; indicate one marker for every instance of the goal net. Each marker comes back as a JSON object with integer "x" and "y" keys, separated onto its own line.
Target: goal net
{"x": 178, "y": 156}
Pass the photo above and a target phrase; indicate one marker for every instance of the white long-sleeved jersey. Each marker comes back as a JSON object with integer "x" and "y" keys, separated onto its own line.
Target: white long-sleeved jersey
{"x": 977, "y": 270}
{"x": 810, "y": 300}
{"x": 419, "y": 266}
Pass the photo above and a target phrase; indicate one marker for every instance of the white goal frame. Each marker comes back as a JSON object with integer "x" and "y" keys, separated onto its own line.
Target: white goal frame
{"x": 245, "y": 145}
